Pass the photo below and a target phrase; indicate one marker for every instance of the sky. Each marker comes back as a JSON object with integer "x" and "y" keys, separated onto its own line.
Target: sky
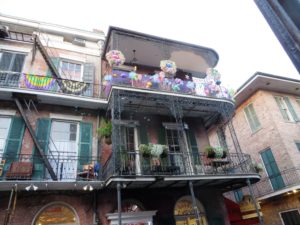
{"x": 234, "y": 28}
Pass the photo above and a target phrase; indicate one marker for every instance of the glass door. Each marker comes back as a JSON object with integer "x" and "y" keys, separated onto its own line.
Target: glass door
{"x": 63, "y": 149}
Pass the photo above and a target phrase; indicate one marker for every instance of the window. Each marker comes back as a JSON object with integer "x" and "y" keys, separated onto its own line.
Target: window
{"x": 252, "y": 118}
{"x": 11, "y": 64}
{"x": 4, "y": 128}
{"x": 287, "y": 111}
{"x": 298, "y": 101}
{"x": 71, "y": 70}
{"x": 291, "y": 217}
{"x": 222, "y": 138}
{"x": 63, "y": 145}
{"x": 238, "y": 195}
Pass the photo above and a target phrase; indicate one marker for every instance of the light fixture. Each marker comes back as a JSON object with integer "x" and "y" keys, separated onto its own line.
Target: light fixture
{"x": 31, "y": 187}
{"x": 88, "y": 187}
{"x": 295, "y": 191}
{"x": 134, "y": 59}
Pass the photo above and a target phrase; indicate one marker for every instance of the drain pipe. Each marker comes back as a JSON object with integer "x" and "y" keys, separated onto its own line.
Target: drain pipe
{"x": 261, "y": 222}
{"x": 194, "y": 203}
{"x": 119, "y": 203}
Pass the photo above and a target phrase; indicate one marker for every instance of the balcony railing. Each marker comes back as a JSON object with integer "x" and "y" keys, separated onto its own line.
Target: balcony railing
{"x": 48, "y": 84}
{"x": 66, "y": 167}
{"x": 285, "y": 179}
{"x": 199, "y": 87}
{"x": 180, "y": 164}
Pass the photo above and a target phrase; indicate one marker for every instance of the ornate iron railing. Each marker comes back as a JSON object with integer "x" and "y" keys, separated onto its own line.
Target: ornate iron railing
{"x": 285, "y": 179}
{"x": 133, "y": 163}
{"x": 48, "y": 84}
{"x": 68, "y": 167}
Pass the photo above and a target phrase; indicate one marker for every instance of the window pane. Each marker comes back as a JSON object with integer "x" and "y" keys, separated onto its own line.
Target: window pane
{"x": 5, "y": 61}
{"x": 291, "y": 217}
{"x": 18, "y": 63}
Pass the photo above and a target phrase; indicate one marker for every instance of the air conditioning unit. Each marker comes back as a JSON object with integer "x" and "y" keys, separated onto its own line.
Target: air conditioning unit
{"x": 79, "y": 41}
{"x": 3, "y": 31}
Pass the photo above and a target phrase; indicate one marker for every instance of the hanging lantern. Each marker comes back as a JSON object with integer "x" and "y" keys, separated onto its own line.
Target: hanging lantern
{"x": 168, "y": 67}
{"x": 115, "y": 58}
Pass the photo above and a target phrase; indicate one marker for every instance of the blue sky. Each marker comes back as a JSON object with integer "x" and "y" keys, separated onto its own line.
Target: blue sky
{"x": 234, "y": 28}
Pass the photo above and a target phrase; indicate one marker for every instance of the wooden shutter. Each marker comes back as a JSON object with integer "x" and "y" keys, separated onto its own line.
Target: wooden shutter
{"x": 55, "y": 61}
{"x": 143, "y": 135}
{"x": 252, "y": 118}
{"x": 161, "y": 135}
{"x": 88, "y": 77}
{"x": 193, "y": 146}
{"x": 42, "y": 134}
{"x": 85, "y": 144}
{"x": 281, "y": 108}
{"x": 272, "y": 169}
{"x": 291, "y": 109}
{"x": 14, "y": 141}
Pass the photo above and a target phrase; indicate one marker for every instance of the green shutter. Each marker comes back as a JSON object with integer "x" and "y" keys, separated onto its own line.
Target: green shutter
{"x": 249, "y": 117}
{"x": 55, "y": 61}
{"x": 283, "y": 113}
{"x": 193, "y": 146}
{"x": 161, "y": 135}
{"x": 85, "y": 144}
{"x": 143, "y": 135}
{"x": 42, "y": 134}
{"x": 14, "y": 141}
{"x": 291, "y": 108}
{"x": 272, "y": 169}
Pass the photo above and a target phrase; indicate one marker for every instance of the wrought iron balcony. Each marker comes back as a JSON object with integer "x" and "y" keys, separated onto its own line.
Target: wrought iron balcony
{"x": 199, "y": 87}
{"x": 286, "y": 179}
{"x": 68, "y": 168}
{"x": 133, "y": 163}
{"x": 48, "y": 84}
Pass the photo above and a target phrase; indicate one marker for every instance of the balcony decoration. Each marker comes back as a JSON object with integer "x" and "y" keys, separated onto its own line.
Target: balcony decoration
{"x": 73, "y": 87}
{"x": 215, "y": 152}
{"x": 168, "y": 67}
{"x": 37, "y": 82}
{"x": 258, "y": 167}
{"x": 115, "y": 58}
{"x": 105, "y": 130}
{"x": 145, "y": 150}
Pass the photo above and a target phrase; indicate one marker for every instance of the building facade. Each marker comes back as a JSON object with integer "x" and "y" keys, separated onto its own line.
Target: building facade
{"x": 267, "y": 127}
{"x": 61, "y": 88}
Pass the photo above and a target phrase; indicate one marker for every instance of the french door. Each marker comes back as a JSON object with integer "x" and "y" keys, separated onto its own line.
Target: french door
{"x": 63, "y": 149}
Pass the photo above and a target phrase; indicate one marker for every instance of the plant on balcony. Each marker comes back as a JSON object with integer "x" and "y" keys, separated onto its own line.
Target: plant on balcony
{"x": 115, "y": 58}
{"x": 168, "y": 67}
{"x": 165, "y": 152}
{"x": 258, "y": 167}
{"x": 145, "y": 150}
{"x": 210, "y": 152}
{"x": 105, "y": 130}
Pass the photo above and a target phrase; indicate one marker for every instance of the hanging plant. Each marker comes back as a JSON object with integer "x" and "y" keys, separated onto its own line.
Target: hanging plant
{"x": 258, "y": 167}
{"x": 115, "y": 58}
{"x": 210, "y": 152}
{"x": 165, "y": 152}
{"x": 105, "y": 130}
{"x": 168, "y": 67}
{"x": 145, "y": 150}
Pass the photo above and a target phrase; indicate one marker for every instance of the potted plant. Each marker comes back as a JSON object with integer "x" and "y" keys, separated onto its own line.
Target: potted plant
{"x": 164, "y": 154}
{"x": 258, "y": 167}
{"x": 210, "y": 152}
{"x": 145, "y": 150}
{"x": 105, "y": 130}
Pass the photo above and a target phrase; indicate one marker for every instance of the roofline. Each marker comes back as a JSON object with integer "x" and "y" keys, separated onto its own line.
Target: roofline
{"x": 39, "y": 25}
{"x": 262, "y": 74}
{"x": 111, "y": 28}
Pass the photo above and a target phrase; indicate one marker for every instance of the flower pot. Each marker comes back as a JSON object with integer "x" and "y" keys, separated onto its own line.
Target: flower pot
{"x": 107, "y": 140}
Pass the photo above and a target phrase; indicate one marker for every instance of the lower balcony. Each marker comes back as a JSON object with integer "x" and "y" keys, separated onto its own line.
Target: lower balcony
{"x": 175, "y": 169}
{"x": 285, "y": 182}
{"x": 73, "y": 172}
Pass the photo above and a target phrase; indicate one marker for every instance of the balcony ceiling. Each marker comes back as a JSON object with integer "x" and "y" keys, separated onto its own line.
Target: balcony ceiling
{"x": 150, "y": 50}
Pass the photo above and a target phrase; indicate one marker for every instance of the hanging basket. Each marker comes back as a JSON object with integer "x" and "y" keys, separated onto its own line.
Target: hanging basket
{"x": 168, "y": 67}
{"x": 115, "y": 58}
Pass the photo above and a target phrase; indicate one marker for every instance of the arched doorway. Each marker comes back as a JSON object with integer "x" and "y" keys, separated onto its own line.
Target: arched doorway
{"x": 56, "y": 213}
{"x": 184, "y": 212}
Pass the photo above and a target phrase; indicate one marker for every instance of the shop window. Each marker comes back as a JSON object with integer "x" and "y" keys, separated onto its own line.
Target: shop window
{"x": 55, "y": 214}
{"x": 291, "y": 217}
